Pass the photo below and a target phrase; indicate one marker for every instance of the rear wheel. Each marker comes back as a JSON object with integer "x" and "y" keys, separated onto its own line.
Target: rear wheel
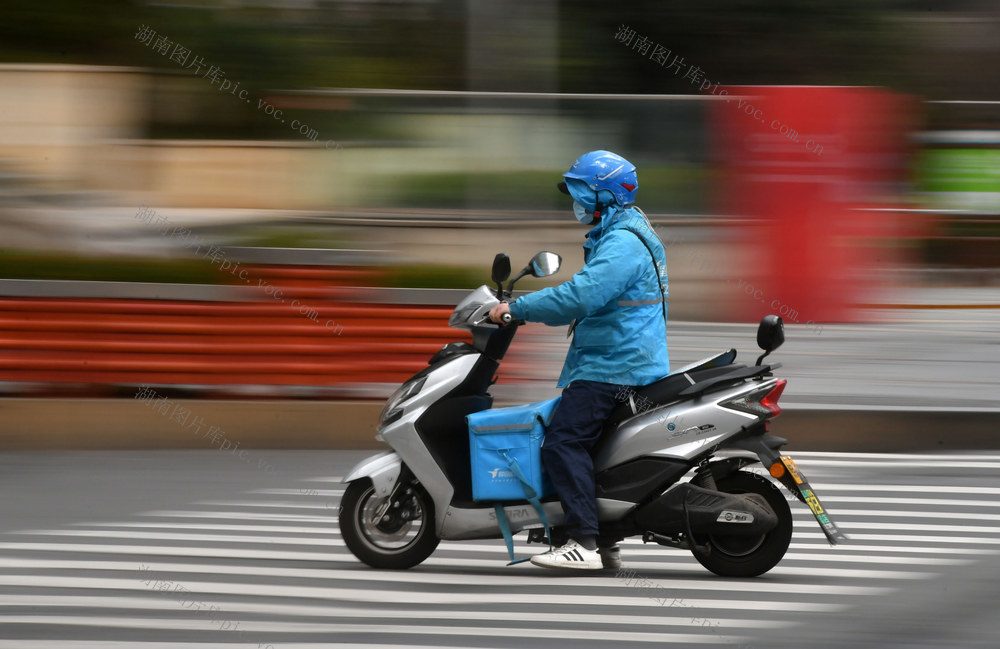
{"x": 749, "y": 556}
{"x": 384, "y": 533}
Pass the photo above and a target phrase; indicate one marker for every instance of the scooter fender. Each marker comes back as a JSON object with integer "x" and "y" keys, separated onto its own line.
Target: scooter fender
{"x": 383, "y": 470}
{"x": 729, "y": 461}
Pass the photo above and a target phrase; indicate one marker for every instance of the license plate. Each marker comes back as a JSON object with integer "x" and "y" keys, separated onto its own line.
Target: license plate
{"x": 833, "y": 534}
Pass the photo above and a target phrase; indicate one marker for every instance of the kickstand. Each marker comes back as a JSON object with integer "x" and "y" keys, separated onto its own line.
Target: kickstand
{"x": 703, "y": 550}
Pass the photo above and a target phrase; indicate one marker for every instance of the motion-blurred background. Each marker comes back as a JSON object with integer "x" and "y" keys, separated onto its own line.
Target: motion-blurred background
{"x": 271, "y": 206}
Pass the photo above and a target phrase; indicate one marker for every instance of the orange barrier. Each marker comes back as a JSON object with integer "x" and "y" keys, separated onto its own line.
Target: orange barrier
{"x": 268, "y": 342}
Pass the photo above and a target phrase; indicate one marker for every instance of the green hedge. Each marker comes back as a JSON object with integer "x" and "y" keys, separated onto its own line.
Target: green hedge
{"x": 31, "y": 265}
{"x": 680, "y": 189}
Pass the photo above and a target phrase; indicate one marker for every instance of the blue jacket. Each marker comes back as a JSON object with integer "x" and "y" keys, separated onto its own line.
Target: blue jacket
{"x": 621, "y": 334}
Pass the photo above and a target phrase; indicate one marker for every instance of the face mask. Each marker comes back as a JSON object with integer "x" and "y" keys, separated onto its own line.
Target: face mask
{"x": 581, "y": 213}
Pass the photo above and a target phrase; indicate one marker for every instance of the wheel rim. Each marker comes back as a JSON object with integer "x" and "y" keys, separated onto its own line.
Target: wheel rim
{"x": 400, "y": 523}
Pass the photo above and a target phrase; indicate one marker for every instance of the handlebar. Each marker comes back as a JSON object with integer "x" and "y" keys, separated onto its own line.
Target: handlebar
{"x": 506, "y": 318}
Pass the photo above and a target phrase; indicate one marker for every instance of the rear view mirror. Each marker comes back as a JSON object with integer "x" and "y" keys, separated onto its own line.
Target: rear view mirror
{"x": 545, "y": 263}
{"x": 770, "y": 335}
{"x": 541, "y": 265}
{"x": 501, "y": 268}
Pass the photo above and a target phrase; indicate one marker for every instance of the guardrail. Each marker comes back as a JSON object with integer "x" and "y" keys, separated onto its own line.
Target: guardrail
{"x": 310, "y": 330}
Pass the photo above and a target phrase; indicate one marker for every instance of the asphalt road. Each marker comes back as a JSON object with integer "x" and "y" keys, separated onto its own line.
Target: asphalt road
{"x": 167, "y": 549}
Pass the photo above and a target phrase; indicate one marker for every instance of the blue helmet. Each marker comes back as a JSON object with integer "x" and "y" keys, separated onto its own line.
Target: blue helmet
{"x": 604, "y": 170}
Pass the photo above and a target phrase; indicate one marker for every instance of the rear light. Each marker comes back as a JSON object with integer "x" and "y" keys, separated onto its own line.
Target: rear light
{"x": 770, "y": 400}
{"x": 762, "y": 403}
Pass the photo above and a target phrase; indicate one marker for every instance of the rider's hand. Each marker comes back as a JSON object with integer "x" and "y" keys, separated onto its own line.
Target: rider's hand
{"x": 497, "y": 312}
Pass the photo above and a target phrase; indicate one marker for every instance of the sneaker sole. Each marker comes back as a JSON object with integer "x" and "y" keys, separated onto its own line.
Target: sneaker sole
{"x": 576, "y": 565}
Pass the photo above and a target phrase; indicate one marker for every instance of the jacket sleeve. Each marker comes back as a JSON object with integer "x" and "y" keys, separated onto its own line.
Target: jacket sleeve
{"x": 617, "y": 261}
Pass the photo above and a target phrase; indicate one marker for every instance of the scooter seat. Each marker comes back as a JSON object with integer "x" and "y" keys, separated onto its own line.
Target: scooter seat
{"x": 663, "y": 391}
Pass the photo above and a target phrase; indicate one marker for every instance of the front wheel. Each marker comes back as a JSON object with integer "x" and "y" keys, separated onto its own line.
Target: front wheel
{"x": 388, "y": 533}
{"x": 749, "y": 556}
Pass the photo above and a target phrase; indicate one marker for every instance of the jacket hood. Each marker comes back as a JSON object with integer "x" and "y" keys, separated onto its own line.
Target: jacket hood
{"x": 615, "y": 217}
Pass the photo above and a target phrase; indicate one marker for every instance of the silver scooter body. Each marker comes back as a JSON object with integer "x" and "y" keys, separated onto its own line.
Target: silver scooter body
{"x": 683, "y": 430}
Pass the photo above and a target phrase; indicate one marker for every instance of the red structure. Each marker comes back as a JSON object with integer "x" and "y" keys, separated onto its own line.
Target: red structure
{"x": 799, "y": 162}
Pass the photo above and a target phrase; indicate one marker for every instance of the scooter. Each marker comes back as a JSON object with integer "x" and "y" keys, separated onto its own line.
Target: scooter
{"x": 686, "y": 462}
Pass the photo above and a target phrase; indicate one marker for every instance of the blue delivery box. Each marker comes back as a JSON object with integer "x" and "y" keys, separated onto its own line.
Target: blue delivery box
{"x": 503, "y": 437}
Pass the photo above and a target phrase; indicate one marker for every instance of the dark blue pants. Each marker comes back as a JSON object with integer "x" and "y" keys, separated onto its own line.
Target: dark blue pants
{"x": 576, "y": 426}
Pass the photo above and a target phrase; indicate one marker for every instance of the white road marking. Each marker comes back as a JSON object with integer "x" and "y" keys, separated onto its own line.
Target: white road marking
{"x": 929, "y": 459}
{"x": 920, "y": 527}
{"x": 312, "y": 493}
{"x": 295, "y": 518}
{"x": 220, "y": 571}
{"x": 635, "y": 597}
{"x": 270, "y": 626}
{"x": 346, "y": 610}
{"x": 907, "y": 501}
{"x": 876, "y": 488}
{"x": 325, "y": 644}
{"x": 330, "y": 528}
{"x": 844, "y": 514}
{"x": 283, "y": 504}
{"x": 907, "y": 464}
{"x": 529, "y": 576}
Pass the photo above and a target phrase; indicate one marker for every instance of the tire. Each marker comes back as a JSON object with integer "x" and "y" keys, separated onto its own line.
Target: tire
{"x": 403, "y": 538}
{"x": 749, "y": 556}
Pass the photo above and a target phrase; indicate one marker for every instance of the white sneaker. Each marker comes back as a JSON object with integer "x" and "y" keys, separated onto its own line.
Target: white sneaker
{"x": 572, "y": 555}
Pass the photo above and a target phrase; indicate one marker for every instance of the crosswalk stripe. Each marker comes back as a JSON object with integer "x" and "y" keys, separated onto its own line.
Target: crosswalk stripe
{"x": 273, "y": 560}
{"x": 862, "y": 537}
{"x": 381, "y": 629}
{"x": 271, "y": 504}
{"x": 825, "y": 554}
{"x": 856, "y": 537}
{"x": 178, "y": 536}
{"x": 907, "y": 501}
{"x": 293, "y": 492}
{"x": 346, "y": 610}
{"x": 636, "y": 597}
{"x": 297, "y": 518}
{"x": 877, "y": 488}
{"x": 636, "y": 545}
{"x": 334, "y": 546}
{"x": 330, "y": 528}
{"x": 928, "y": 459}
{"x": 169, "y": 550}
{"x": 907, "y": 549}
{"x": 707, "y": 639}
{"x": 843, "y": 514}
{"x": 513, "y": 578}
{"x": 909, "y": 464}
{"x": 926, "y": 527}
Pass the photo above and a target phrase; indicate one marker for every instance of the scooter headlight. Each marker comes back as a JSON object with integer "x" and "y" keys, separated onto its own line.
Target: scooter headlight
{"x": 391, "y": 412}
